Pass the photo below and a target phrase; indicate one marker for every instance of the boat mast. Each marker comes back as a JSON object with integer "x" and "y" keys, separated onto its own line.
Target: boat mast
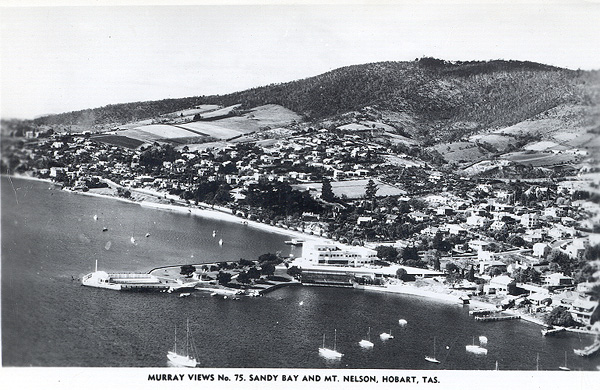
{"x": 96, "y": 270}
{"x": 537, "y": 362}
{"x": 369, "y": 334}
{"x": 187, "y": 337}
{"x": 335, "y": 339}
{"x": 434, "y": 347}
{"x": 323, "y": 340}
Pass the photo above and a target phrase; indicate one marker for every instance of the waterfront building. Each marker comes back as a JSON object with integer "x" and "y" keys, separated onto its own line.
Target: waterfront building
{"x": 328, "y": 253}
{"x": 582, "y": 310}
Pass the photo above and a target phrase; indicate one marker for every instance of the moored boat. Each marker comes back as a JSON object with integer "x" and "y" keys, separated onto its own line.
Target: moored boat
{"x": 432, "y": 358}
{"x": 328, "y": 353}
{"x": 184, "y": 357}
{"x": 366, "y": 343}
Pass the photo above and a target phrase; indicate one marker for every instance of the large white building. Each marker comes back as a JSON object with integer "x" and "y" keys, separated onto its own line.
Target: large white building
{"x": 328, "y": 253}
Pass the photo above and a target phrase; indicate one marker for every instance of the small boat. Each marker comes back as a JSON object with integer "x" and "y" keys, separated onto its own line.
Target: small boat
{"x": 589, "y": 350}
{"x": 221, "y": 242}
{"x": 552, "y": 330}
{"x": 132, "y": 239}
{"x": 184, "y": 357}
{"x": 330, "y": 353}
{"x": 432, "y": 359}
{"x": 565, "y": 367}
{"x": 402, "y": 322}
{"x": 476, "y": 349}
{"x": 95, "y": 217}
{"x": 214, "y": 233}
{"x": 294, "y": 242}
{"x": 104, "y": 229}
{"x": 386, "y": 336}
{"x": 147, "y": 234}
{"x": 366, "y": 343}
{"x": 301, "y": 303}
{"x": 183, "y": 295}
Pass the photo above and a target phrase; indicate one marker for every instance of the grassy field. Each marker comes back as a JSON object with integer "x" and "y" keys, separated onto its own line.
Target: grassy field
{"x": 211, "y": 129}
{"x": 119, "y": 140}
{"x": 353, "y": 189}
{"x": 540, "y": 159}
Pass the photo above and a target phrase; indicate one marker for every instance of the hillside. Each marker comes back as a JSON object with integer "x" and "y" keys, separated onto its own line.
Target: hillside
{"x": 432, "y": 96}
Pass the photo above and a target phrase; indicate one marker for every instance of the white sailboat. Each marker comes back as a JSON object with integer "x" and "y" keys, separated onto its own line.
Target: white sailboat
{"x": 214, "y": 233}
{"x": 330, "y": 353}
{"x": 565, "y": 367}
{"x": 476, "y": 349}
{"x": 184, "y": 357}
{"x": 402, "y": 322}
{"x": 366, "y": 343}
{"x": 432, "y": 359}
{"x": 221, "y": 242}
{"x": 386, "y": 336}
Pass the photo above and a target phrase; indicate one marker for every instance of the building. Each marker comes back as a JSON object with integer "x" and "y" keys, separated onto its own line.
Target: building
{"x": 558, "y": 280}
{"x": 500, "y": 284}
{"x": 326, "y": 253}
{"x": 581, "y": 310}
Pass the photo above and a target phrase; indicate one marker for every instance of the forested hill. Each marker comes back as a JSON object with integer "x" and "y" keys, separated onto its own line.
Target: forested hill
{"x": 434, "y": 93}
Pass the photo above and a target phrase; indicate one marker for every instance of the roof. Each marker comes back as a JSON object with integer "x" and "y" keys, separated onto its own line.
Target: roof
{"x": 502, "y": 279}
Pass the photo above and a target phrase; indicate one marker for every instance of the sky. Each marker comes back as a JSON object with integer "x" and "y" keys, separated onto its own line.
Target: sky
{"x": 56, "y": 59}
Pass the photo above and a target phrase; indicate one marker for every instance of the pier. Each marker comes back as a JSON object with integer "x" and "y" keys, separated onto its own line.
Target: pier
{"x": 496, "y": 318}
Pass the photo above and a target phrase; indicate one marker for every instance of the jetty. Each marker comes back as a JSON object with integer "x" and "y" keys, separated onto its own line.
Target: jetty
{"x": 483, "y": 312}
{"x": 496, "y": 318}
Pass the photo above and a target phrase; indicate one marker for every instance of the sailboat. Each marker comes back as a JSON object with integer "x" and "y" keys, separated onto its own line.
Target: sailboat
{"x": 565, "y": 367}
{"x": 366, "y": 343}
{"x": 432, "y": 359}
{"x": 184, "y": 357}
{"x": 214, "y": 233}
{"x": 330, "y": 353}
{"x": 402, "y": 322}
{"x": 476, "y": 349}
{"x": 221, "y": 242}
{"x": 386, "y": 336}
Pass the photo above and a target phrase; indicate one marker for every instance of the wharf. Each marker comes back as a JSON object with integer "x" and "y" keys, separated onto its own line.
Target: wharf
{"x": 483, "y": 312}
{"x": 494, "y": 318}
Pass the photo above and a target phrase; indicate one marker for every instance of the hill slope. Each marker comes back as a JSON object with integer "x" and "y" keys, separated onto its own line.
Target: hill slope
{"x": 436, "y": 95}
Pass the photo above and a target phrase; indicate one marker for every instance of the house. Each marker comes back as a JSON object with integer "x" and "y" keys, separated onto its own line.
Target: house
{"x": 500, "y": 284}
{"x": 479, "y": 245}
{"x": 577, "y": 248}
{"x": 476, "y": 220}
{"x": 541, "y": 249}
{"x": 581, "y": 310}
{"x": 530, "y": 220}
{"x": 557, "y": 279}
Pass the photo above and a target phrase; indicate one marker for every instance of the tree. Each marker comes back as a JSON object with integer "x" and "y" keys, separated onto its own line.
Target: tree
{"x": 223, "y": 278}
{"x": 253, "y": 273}
{"x": 187, "y": 270}
{"x": 243, "y": 278}
{"x": 294, "y": 272}
{"x": 371, "y": 190}
{"x": 327, "y": 191}
{"x": 388, "y": 253}
{"x": 267, "y": 269}
{"x": 400, "y": 273}
{"x": 410, "y": 252}
{"x": 268, "y": 258}
{"x": 471, "y": 276}
{"x": 560, "y": 316}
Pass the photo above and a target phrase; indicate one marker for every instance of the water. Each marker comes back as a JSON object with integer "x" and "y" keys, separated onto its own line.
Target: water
{"x": 50, "y": 237}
